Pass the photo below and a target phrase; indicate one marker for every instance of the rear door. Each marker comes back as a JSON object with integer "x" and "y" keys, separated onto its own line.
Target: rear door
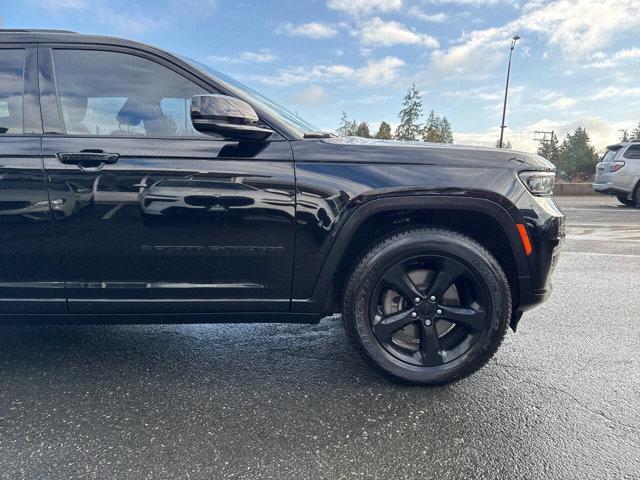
{"x": 152, "y": 216}
{"x": 30, "y": 279}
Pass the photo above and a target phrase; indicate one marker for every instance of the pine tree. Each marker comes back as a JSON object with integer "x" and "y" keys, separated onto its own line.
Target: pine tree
{"x": 624, "y": 135}
{"x": 577, "y": 157}
{"x": 635, "y": 133}
{"x": 345, "y": 124}
{"x": 432, "y": 129}
{"x": 446, "y": 132}
{"x": 409, "y": 128}
{"x": 549, "y": 149}
{"x": 362, "y": 130}
{"x": 384, "y": 131}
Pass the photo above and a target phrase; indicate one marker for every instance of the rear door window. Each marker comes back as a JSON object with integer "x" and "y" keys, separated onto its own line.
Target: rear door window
{"x": 632, "y": 152}
{"x": 11, "y": 91}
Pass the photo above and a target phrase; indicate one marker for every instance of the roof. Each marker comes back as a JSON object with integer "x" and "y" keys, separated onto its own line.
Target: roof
{"x": 33, "y": 30}
{"x": 28, "y": 35}
{"x": 619, "y": 145}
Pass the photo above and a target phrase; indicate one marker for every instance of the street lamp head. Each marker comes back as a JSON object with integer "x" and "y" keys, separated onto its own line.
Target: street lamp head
{"x": 514, "y": 40}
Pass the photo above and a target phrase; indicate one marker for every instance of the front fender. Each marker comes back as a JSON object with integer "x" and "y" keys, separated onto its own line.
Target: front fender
{"x": 498, "y": 208}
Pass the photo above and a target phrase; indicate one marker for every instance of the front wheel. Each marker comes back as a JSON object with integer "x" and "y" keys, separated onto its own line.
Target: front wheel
{"x": 625, "y": 201}
{"x": 427, "y": 306}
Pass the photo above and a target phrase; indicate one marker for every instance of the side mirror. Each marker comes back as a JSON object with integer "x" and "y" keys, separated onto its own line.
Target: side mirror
{"x": 227, "y": 116}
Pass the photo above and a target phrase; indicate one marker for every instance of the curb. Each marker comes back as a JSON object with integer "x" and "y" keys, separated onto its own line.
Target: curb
{"x": 568, "y": 189}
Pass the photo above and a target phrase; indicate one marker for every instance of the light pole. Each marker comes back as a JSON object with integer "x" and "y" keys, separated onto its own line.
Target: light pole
{"x": 506, "y": 89}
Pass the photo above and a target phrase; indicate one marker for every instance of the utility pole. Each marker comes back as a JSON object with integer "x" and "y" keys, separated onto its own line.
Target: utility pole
{"x": 506, "y": 90}
{"x": 544, "y": 134}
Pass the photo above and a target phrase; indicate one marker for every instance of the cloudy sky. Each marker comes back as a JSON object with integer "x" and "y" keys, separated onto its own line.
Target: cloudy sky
{"x": 578, "y": 62}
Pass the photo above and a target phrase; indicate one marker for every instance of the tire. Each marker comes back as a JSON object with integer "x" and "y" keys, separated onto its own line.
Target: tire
{"x": 625, "y": 201}
{"x": 447, "y": 351}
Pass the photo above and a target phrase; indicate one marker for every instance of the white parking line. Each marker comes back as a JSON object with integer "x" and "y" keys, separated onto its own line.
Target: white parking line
{"x": 600, "y": 210}
{"x": 604, "y": 225}
{"x": 602, "y": 254}
{"x": 111, "y": 213}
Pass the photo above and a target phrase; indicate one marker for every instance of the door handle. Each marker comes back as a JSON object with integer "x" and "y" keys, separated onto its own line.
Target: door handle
{"x": 88, "y": 159}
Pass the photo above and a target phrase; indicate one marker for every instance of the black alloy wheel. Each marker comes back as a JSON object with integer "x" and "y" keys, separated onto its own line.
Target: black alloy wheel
{"x": 427, "y": 310}
{"x": 427, "y": 306}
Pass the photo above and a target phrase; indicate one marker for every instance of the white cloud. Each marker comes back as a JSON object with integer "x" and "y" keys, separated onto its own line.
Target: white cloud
{"x": 310, "y": 30}
{"x": 602, "y": 60}
{"x": 552, "y": 100}
{"x": 258, "y": 57}
{"x": 415, "y": 12}
{"x": 380, "y": 72}
{"x": 364, "y": 7}
{"x": 628, "y": 53}
{"x": 576, "y": 27}
{"x": 476, "y": 3}
{"x": 375, "y": 72}
{"x": 611, "y": 91}
{"x": 312, "y": 96}
{"x": 377, "y": 32}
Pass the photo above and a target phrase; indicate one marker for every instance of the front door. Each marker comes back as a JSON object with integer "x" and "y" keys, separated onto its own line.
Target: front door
{"x": 152, "y": 216}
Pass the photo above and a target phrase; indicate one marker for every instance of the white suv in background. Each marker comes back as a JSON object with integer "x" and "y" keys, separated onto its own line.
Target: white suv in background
{"x": 618, "y": 173}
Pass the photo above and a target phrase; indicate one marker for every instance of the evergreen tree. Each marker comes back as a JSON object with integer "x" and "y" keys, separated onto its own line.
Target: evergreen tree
{"x": 362, "y": 130}
{"x": 432, "y": 129}
{"x": 549, "y": 149}
{"x": 577, "y": 157}
{"x": 343, "y": 129}
{"x": 384, "y": 131}
{"x": 635, "y": 133}
{"x": 437, "y": 129}
{"x": 347, "y": 127}
{"x": 446, "y": 132}
{"x": 624, "y": 135}
{"x": 409, "y": 128}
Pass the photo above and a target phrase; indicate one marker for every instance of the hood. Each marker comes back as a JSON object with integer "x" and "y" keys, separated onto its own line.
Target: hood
{"x": 413, "y": 152}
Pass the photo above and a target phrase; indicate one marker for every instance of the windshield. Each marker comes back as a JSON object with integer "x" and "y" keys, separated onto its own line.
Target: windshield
{"x": 257, "y": 99}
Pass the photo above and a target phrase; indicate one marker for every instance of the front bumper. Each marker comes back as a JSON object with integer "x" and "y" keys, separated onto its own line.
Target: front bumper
{"x": 546, "y": 225}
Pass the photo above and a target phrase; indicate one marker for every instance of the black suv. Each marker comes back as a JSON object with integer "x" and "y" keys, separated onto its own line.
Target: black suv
{"x": 139, "y": 186}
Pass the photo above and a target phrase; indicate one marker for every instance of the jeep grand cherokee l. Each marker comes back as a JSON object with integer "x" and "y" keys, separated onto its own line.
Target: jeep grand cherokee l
{"x": 215, "y": 204}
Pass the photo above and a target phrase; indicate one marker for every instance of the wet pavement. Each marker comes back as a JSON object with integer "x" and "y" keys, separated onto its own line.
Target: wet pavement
{"x": 561, "y": 399}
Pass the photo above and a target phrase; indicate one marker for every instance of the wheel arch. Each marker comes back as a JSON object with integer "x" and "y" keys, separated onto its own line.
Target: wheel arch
{"x": 376, "y": 218}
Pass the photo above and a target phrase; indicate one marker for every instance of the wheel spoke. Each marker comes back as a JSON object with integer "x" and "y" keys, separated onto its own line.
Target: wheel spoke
{"x": 387, "y": 326}
{"x": 448, "y": 274}
{"x": 468, "y": 317}
{"x": 399, "y": 279}
{"x": 430, "y": 350}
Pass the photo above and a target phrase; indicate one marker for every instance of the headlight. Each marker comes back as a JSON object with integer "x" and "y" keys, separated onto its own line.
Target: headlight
{"x": 44, "y": 203}
{"x": 539, "y": 183}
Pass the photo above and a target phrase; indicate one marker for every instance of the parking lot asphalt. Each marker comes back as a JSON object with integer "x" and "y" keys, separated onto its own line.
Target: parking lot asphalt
{"x": 561, "y": 399}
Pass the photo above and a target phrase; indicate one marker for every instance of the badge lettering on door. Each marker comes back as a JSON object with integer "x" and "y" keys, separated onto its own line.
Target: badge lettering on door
{"x": 259, "y": 249}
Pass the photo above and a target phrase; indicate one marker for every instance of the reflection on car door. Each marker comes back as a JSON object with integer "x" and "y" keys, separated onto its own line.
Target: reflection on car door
{"x": 30, "y": 280}
{"x": 161, "y": 218}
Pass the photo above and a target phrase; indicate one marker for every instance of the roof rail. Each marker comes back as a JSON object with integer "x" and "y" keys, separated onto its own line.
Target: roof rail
{"x": 33, "y": 30}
